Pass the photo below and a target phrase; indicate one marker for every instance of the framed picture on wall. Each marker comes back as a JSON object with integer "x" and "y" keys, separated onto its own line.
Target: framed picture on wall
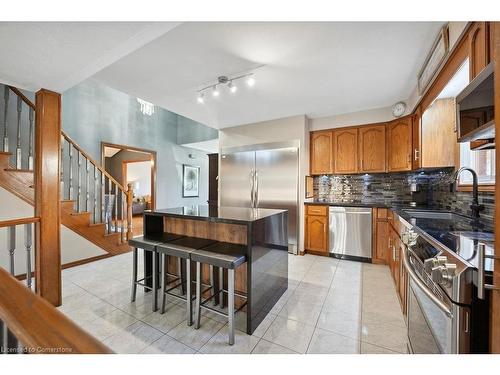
{"x": 190, "y": 181}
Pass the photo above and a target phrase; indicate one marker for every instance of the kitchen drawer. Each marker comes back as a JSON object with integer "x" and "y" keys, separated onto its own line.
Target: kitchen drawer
{"x": 317, "y": 210}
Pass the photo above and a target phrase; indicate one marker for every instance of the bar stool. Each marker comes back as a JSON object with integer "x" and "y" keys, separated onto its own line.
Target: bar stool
{"x": 181, "y": 249}
{"x": 147, "y": 244}
{"x": 225, "y": 256}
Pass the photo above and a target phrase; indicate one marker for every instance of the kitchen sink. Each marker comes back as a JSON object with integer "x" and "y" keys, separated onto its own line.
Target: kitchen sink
{"x": 424, "y": 214}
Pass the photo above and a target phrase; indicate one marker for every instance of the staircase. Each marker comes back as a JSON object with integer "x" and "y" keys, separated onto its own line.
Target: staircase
{"x": 93, "y": 203}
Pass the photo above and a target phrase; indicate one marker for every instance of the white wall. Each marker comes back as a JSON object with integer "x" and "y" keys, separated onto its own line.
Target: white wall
{"x": 73, "y": 246}
{"x": 280, "y": 130}
{"x": 140, "y": 172}
{"x": 369, "y": 116}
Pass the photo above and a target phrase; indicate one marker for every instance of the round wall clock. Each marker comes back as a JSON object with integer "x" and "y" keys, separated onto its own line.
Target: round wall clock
{"x": 399, "y": 109}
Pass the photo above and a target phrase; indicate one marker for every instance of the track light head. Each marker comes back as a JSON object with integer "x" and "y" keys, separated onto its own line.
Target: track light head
{"x": 251, "y": 81}
{"x": 232, "y": 87}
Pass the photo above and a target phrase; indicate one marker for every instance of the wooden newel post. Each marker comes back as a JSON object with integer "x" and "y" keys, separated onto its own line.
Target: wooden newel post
{"x": 130, "y": 195}
{"x": 47, "y": 195}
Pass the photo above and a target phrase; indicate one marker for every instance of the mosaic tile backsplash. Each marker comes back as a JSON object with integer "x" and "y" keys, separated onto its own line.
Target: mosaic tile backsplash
{"x": 434, "y": 189}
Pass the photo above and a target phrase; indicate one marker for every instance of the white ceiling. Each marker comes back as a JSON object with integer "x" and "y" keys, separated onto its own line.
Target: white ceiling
{"x": 58, "y": 55}
{"x": 317, "y": 69}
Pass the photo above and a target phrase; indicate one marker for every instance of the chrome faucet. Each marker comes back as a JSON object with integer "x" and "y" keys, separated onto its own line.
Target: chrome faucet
{"x": 475, "y": 206}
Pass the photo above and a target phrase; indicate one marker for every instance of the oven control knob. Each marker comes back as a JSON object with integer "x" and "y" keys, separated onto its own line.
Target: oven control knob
{"x": 449, "y": 272}
{"x": 430, "y": 263}
{"x": 437, "y": 274}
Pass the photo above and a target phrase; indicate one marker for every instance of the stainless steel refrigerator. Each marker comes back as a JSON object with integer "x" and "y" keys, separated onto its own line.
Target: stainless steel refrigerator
{"x": 262, "y": 176}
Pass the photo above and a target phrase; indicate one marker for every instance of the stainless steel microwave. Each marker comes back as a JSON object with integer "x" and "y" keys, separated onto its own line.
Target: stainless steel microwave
{"x": 475, "y": 108}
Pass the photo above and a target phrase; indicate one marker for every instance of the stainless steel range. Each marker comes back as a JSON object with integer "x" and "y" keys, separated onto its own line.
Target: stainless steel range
{"x": 447, "y": 306}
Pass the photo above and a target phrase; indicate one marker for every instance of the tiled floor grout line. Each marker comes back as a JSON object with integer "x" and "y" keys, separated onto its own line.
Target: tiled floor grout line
{"x": 322, "y": 306}
{"x": 281, "y": 346}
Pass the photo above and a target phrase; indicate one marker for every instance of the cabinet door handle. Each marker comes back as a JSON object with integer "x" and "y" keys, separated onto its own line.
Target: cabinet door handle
{"x": 393, "y": 253}
{"x": 416, "y": 154}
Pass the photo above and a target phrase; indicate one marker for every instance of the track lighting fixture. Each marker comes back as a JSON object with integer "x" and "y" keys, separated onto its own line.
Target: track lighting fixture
{"x": 223, "y": 80}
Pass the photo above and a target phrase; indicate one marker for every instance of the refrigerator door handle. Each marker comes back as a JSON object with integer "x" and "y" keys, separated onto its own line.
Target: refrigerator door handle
{"x": 252, "y": 179}
{"x": 256, "y": 199}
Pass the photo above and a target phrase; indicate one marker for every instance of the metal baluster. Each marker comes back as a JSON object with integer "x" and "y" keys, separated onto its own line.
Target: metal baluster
{"x": 103, "y": 197}
{"x": 96, "y": 187}
{"x": 11, "y": 246}
{"x": 79, "y": 181}
{"x": 18, "y": 148}
{"x": 108, "y": 206}
{"x": 28, "y": 244}
{"x": 70, "y": 171}
{"x": 5, "y": 126}
{"x": 116, "y": 208}
{"x": 87, "y": 185}
{"x": 123, "y": 218}
{"x": 61, "y": 166}
{"x": 30, "y": 152}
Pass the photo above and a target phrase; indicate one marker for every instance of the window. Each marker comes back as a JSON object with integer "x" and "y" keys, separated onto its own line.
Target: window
{"x": 483, "y": 162}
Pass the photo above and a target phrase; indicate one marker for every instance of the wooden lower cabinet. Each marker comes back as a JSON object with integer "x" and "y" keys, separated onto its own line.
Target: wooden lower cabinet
{"x": 316, "y": 231}
{"x": 380, "y": 236}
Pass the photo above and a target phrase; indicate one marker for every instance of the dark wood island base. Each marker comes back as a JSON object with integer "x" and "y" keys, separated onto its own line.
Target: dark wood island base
{"x": 264, "y": 234}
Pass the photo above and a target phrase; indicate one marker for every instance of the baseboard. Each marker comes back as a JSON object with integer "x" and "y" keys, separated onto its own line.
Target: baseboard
{"x": 22, "y": 276}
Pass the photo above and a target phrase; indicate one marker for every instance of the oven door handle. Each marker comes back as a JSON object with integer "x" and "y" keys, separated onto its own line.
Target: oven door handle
{"x": 422, "y": 286}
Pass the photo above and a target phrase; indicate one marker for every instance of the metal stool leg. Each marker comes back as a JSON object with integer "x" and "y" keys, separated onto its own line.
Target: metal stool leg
{"x": 189, "y": 301}
{"x": 134, "y": 275}
{"x": 155, "y": 279}
{"x": 163, "y": 278}
{"x": 221, "y": 286}
{"x": 212, "y": 283}
{"x": 198, "y": 296}
{"x": 230, "y": 304}
{"x": 181, "y": 276}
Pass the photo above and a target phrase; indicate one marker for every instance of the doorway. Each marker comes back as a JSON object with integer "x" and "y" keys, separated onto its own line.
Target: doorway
{"x": 137, "y": 167}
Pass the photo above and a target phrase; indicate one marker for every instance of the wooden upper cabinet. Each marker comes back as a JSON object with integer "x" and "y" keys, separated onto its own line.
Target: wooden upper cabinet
{"x": 479, "y": 46}
{"x": 399, "y": 144}
{"x": 439, "y": 140}
{"x": 345, "y": 150}
{"x": 321, "y": 152}
{"x": 372, "y": 149}
{"x": 416, "y": 127}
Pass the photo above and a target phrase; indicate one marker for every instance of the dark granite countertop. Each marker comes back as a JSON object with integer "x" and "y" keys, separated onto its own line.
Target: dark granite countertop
{"x": 459, "y": 234}
{"x": 217, "y": 213}
{"x": 346, "y": 203}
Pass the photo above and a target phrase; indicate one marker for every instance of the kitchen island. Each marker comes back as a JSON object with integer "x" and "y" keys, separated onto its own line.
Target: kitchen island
{"x": 263, "y": 233}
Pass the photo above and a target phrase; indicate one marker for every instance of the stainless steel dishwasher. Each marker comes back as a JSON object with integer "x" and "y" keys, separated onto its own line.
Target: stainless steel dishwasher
{"x": 351, "y": 233}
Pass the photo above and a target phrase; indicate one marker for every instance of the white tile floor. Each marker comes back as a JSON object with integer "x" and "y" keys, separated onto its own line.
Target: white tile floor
{"x": 331, "y": 306}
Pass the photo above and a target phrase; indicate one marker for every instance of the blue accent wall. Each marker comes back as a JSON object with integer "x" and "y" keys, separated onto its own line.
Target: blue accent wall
{"x": 93, "y": 112}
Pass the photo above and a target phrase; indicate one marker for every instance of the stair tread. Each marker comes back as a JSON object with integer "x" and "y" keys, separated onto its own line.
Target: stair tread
{"x": 18, "y": 170}
{"x": 5, "y": 153}
{"x": 81, "y": 213}
{"x": 67, "y": 200}
{"x": 96, "y": 224}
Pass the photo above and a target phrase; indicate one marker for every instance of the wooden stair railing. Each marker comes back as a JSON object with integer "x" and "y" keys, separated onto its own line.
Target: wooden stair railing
{"x": 23, "y": 141}
{"x": 94, "y": 191}
{"x": 94, "y": 204}
{"x": 28, "y": 323}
